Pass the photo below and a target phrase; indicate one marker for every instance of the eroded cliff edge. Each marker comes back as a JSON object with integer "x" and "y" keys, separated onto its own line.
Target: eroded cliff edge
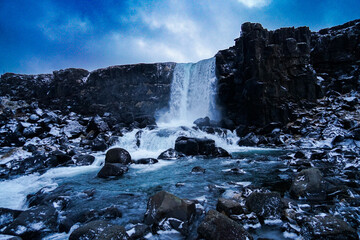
{"x": 266, "y": 77}
{"x": 269, "y": 74}
{"x": 128, "y": 92}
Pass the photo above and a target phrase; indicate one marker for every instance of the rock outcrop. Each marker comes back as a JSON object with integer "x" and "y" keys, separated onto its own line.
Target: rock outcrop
{"x": 130, "y": 92}
{"x": 269, "y": 74}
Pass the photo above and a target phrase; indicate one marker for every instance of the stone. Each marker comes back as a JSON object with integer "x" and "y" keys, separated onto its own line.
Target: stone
{"x": 98, "y": 125}
{"x": 84, "y": 160}
{"x": 99, "y": 144}
{"x": 249, "y": 140}
{"x": 33, "y": 223}
{"x": 221, "y": 153}
{"x": 140, "y": 230}
{"x": 195, "y": 146}
{"x": 198, "y": 169}
{"x": 112, "y": 170}
{"x": 113, "y": 233}
{"x": 7, "y": 216}
{"x": 145, "y": 161}
{"x": 171, "y": 154}
{"x": 99, "y": 230}
{"x": 308, "y": 183}
{"x": 202, "y": 122}
{"x": 118, "y": 155}
{"x": 265, "y": 205}
{"x": 217, "y": 226}
{"x": 187, "y": 146}
{"x": 229, "y": 207}
{"x": 325, "y": 226}
{"x": 164, "y": 205}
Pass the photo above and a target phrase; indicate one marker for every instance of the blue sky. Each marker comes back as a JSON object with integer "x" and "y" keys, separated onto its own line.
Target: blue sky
{"x": 45, "y": 35}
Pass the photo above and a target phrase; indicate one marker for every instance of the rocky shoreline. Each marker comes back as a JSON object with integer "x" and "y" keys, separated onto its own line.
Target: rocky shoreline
{"x": 290, "y": 89}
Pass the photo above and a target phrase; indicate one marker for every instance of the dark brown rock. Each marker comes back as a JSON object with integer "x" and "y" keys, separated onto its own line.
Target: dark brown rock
{"x": 217, "y": 226}
{"x": 118, "y": 155}
{"x": 229, "y": 207}
{"x": 164, "y": 205}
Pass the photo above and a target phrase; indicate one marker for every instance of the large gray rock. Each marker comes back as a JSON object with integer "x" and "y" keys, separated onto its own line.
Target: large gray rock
{"x": 164, "y": 205}
{"x": 199, "y": 146}
{"x": 265, "y": 205}
{"x": 229, "y": 207}
{"x": 118, "y": 155}
{"x": 7, "y": 216}
{"x": 326, "y": 227}
{"x": 171, "y": 154}
{"x": 99, "y": 230}
{"x": 308, "y": 183}
{"x": 34, "y": 223}
{"x": 112, "y": 170}
{"x": 217, "y": 226}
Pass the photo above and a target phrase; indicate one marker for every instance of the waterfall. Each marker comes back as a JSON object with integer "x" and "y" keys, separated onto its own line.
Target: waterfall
{"x": 193, "y": 93}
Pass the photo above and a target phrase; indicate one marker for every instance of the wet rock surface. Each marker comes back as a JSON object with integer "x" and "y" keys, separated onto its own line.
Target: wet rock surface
{"x": 164, "y": 207}
{"x": 218, "y": 226}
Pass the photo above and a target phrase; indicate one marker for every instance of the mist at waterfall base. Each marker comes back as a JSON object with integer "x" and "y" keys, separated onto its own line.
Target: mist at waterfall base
{"x": 193, "y": 93}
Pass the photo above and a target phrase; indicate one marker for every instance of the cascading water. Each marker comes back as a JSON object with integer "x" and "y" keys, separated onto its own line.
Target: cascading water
{"x": 193, "y": 95}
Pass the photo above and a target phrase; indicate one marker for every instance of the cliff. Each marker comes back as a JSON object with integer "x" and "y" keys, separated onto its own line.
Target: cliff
{"x": 269, "y": 74}
{"x": 128, "y": 91}
{"x": 266, "y": 77}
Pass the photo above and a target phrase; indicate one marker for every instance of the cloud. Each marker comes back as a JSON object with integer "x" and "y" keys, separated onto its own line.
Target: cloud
{"x": 255, "y": 3}
{"x": 64, "y": 28}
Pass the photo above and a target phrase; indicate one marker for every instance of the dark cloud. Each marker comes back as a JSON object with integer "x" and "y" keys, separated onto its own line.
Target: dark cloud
{"x": 41, "y": 36}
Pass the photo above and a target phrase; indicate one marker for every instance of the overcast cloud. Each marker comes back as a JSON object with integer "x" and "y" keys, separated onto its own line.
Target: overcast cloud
{"x": 42, "y": 36}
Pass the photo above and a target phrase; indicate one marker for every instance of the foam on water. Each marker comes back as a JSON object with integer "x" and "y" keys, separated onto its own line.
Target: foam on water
{"x": 193, "y": 92}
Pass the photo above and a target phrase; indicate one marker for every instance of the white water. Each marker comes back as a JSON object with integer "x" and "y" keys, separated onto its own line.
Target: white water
{"x": 193, "y": 93}
{"x": 153, "y": 142}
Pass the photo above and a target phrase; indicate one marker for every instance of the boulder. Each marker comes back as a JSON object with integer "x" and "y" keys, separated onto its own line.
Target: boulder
{"x": 229, "y": 207}
{"x": 99, "y": 230}
{"x": 112, "y": 170}
{"x": 139, "y": 231}
{"x": 113, "y": 233}
{"x": 145, "y": 161}
{"x": 7, "y": 216}
{"x": 195, "y": 146}
{"x": 99, "y": 144}
{"x": 202, "y": 122}
{"x": 221, "y": 153}
{"x": 98, "y": 125}
{"x": 84, "y": 160}
{"x": 34, "y": 223}
{"x": 166, "y": 206}
{"x": 265, "y": 205}
{"x": 198, "y": 169}
{"x": 308, "y": 183}
{"x": 249, "y": 140}
{"x": 118, "y": 155}
{"x": 217, "y": 226}
{"x": 171, "y": 154}
{"x": 325, "y": 226}
{"x": 187, "y": 146}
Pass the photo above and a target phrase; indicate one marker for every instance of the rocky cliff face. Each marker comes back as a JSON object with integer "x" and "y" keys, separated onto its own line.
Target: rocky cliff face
{"x": 266, "y": 74}
{"x": 269, "y": 74}
{"x": 266, "y": 77}
{"x": 128, "y": 92}
{"x": 335, "y": 56}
